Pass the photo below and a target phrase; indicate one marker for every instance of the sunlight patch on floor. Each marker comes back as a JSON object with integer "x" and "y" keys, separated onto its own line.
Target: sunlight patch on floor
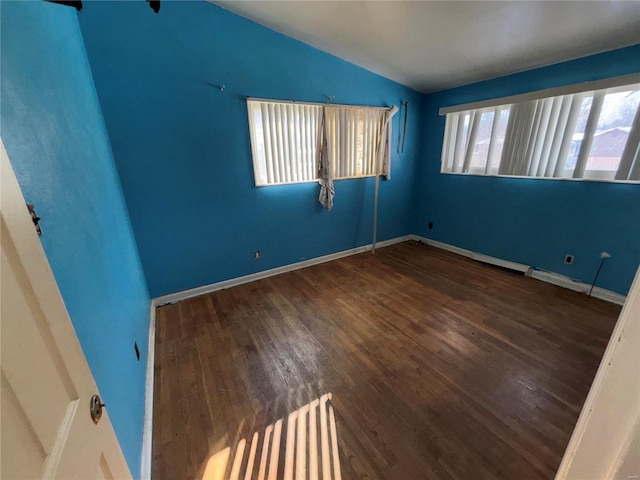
{"x": 310, "y": 449}
{"x": 217, "y": 465}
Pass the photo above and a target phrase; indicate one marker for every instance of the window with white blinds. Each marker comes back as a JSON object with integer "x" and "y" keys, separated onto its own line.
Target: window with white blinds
{"x": 284, "y": 140}
{"x": 353, "y": 139}
{"x": 586, "y": 135}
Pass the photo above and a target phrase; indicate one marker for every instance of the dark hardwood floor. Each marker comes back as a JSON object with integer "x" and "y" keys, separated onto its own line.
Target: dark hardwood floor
{"x": 440, "y": 367}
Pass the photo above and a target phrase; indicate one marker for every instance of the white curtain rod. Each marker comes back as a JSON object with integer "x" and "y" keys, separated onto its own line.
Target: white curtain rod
{"x": 612, "y": 82}
{"x": 270, "y": 100}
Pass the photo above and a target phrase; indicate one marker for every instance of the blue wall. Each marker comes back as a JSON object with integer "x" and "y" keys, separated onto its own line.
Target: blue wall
{"x": 183, "y": 154}
{"x": 182, "y": 146}
{"x": 53, "y": 131}
{"x": 535, "y": 222}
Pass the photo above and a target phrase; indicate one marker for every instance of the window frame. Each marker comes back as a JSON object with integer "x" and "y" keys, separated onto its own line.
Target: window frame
{"x": 603, "y": 87}
{"x": 255, "y": 148}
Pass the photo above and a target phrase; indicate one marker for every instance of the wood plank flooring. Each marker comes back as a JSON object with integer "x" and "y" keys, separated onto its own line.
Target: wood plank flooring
{"x": 440, "y": 367}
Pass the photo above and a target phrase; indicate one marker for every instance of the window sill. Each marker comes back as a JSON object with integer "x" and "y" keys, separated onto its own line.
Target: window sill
{"x": 312, "y": 181}
{"x": 598, "y": 180}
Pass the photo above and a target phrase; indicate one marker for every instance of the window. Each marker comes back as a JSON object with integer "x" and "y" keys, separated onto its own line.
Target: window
{"x": 284, "y": 140}
{"x": 578, "y": 135}
{"x": 285, "y": 136}
{"x": 353, "y": 138}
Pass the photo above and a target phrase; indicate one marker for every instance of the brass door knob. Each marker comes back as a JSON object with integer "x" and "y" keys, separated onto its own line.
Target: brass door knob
{"x": 95, "y": 408}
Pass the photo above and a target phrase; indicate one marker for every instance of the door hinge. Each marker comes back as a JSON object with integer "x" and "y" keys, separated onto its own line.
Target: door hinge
{"x": 34, "y": 218}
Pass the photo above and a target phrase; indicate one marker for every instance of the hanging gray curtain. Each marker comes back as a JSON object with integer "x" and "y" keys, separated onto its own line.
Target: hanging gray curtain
{"x": 325, "y": 175}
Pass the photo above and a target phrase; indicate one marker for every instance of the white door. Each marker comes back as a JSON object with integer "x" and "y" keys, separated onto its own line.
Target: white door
{"x": 46, "y": 427}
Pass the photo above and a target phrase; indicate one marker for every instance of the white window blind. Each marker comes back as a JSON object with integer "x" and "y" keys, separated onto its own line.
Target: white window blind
{"x": 285, "y": 136}
{"x": 284, "y": 141}
{"x": 581, "y": 135}
{"x": 353, "y": 139}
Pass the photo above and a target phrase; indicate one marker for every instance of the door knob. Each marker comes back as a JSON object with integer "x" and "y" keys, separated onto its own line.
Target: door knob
{"x": 95, "y": 407}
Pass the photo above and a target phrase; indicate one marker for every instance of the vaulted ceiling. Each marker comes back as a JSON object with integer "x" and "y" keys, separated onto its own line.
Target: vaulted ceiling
{"x": 433, "y": 45}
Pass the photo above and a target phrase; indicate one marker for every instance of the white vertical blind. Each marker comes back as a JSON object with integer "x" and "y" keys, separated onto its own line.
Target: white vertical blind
{"x": 284, "y": 141}
{"x": 567, "y": 137}
{"x": 547, "y": 143}
{"x": 355, "y": 135}
{"x": 473, "y": 133}
{"x": 589, "y": 131}
{"x": 493, "y": 140}
{"x": 449, "y": 140}
{"x": 578, "y": 135}
{"x": 630, "y": 161}
{"x": 460, "y": 142}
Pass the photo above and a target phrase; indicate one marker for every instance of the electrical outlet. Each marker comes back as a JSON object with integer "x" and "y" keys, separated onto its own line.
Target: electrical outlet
{"x": 568, "y": 259}
{"x": 257, "y": 255}
{"x": 430, "y": 225}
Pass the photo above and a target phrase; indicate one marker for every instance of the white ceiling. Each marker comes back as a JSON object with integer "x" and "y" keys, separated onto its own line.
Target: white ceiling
{"x": 433, "y": 45}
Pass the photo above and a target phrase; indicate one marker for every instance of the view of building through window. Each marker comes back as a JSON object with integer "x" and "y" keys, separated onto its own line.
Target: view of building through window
{"x": 545, "y": 137}
{"x": 612, "y": 131}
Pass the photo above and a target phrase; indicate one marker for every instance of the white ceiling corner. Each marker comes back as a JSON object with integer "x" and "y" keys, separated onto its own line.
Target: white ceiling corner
{"x": 433, "y": 45}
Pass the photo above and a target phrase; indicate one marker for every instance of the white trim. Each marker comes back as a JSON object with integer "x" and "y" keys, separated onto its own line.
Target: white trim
{"x": 444, "y": 246}
{"x": 194, "y": 292}
{"x": 296, "y": 102}
{"x": 518, "y": 267}
{"x": 549, "y": 277}
{"x": 147, "y": 427}
{"x": 604, "y": 429}
{"x": 622, "y": 80}
{"x": 588, "y": 178}
{"x": 578, "y": 286}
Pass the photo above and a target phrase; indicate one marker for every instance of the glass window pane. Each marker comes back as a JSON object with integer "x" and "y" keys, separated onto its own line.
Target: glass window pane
{"x": 576, "y": 139}
{"x": 499, "y": 139}
{"x": 483, "y": 138}
{"x": 259, "y": 143}
{"x": 462, "y": 138}
{"x": 614, "y": 125}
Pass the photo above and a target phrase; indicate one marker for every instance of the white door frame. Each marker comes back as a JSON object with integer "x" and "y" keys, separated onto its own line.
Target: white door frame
{"x": 602, "y": 444}
{"x": 147, "y": 428}
{"x": 41, "y": 338}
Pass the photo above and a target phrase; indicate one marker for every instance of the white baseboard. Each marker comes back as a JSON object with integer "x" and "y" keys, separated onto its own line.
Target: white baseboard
{"x": 549, "y": 277}
{"x": 443, "y": 246}
{"x": 147, "y": 427}
{"x": 578, "y": 286}
{"x": 518, "y": 267}
{"x": 194, "y": 292}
